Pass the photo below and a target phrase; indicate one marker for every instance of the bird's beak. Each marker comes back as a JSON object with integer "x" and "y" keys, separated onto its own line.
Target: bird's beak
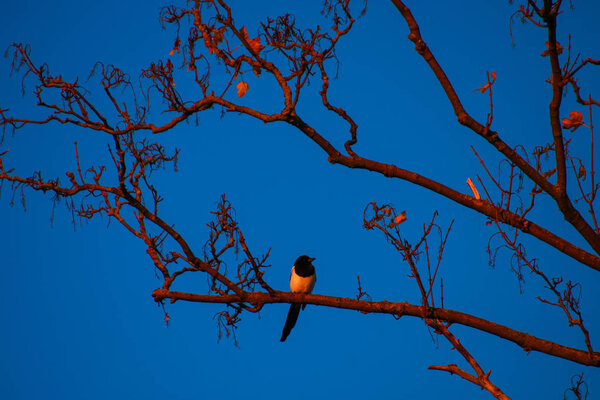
{"x": 311, "y": 259}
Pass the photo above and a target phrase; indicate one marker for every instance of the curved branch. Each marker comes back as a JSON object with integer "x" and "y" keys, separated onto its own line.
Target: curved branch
{"x": 555, "y": 191}
{"x": 482, "y": 206}
{"x": 522, "y": 339}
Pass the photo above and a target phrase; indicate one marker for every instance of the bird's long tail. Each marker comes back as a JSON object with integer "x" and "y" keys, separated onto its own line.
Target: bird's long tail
{"x": 290, "y": 321}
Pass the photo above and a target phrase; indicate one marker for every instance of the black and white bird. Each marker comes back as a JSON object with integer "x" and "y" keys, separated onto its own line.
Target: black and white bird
{"x": 302, "y": 280}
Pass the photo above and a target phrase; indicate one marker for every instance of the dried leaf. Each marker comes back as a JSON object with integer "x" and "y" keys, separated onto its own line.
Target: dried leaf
{"x": 483, "y": 88}
{"x": 559, "y": 49}
{"x": 398, "y": 219}
{"x": 574, "y": 122}
{"x": 487, "y": 85}
{"x": 219, "y": 35}
{"x": 175, "y": 47}
{"x": 581, "y": 174}
{"x": 242, "y": 88}
{"x": 208, "y": 42}
{"x": 576, "y": 116}
{"x": 254, "y": 43}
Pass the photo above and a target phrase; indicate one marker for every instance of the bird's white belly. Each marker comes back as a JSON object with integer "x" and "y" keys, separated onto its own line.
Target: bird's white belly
{"x": 299, "y": 284}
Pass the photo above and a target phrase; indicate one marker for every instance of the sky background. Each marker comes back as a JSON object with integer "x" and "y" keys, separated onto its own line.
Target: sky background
{"x": 79, "y": 319}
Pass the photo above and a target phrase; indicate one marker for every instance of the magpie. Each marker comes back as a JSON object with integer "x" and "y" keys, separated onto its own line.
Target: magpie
{"x": 302, "y": 280}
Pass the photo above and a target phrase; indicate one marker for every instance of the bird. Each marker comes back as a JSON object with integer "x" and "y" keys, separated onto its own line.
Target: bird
{"x": 302, "y": 280}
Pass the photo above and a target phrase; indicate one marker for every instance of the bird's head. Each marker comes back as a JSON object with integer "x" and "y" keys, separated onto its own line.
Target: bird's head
{"x": 304, "y": 259}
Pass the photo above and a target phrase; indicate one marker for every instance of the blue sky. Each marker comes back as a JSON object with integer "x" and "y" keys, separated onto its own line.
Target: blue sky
{"x": 79, "y": 321}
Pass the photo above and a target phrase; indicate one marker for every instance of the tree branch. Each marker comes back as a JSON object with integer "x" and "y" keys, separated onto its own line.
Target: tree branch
{"x": 524, "y": 340}
{"x": 557, "y": 192}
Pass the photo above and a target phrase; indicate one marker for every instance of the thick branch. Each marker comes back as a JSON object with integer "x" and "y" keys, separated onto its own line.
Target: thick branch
{"x": 558, "y": 194}
{"x": 524, "y": 340}
{"x": 554, "y": 107}
{"x": 482, "y": 206}
{"x": 488, "y": 209}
